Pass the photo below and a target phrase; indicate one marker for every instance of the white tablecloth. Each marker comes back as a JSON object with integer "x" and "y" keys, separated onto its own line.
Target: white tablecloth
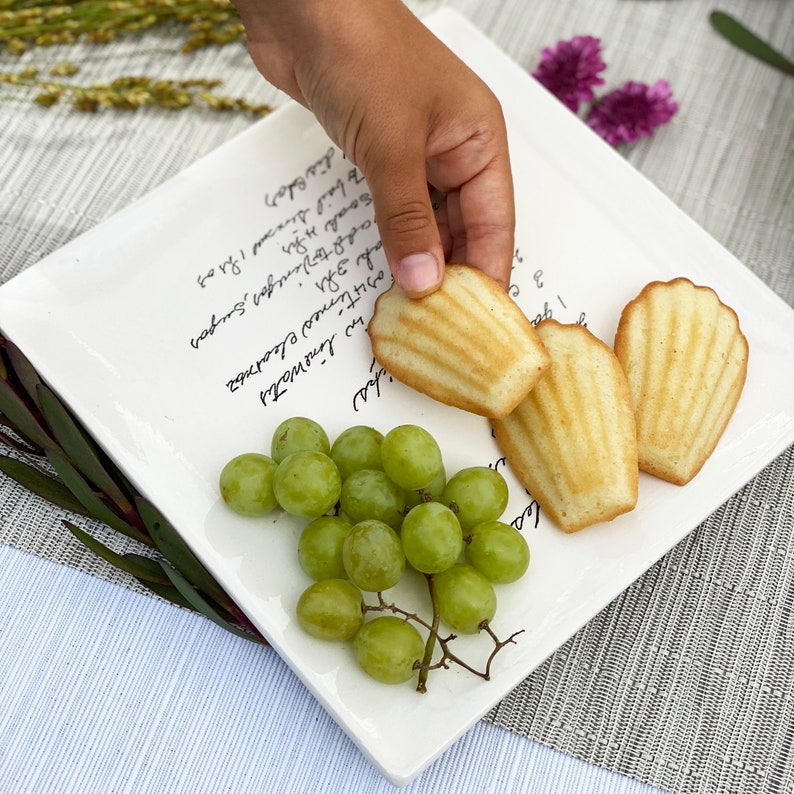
{"x": 104, "y": 691}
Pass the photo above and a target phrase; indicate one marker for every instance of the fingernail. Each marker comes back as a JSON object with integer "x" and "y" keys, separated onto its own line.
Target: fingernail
{"x": 418, "y": 273}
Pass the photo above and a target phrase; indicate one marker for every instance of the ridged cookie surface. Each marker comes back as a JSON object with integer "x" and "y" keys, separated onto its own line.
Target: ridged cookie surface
{"x": 685, "y": 358}
{"x": 467, "y": 344}
{"x": 571, "y": 441}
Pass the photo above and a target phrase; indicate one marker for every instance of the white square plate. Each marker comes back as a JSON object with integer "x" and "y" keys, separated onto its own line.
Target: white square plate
{"x": 183, "y": 329}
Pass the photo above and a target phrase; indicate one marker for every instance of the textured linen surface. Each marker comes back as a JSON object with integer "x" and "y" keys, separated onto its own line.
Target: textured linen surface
{"x": 106, "y": 691}
{"x": 685, "y": 681}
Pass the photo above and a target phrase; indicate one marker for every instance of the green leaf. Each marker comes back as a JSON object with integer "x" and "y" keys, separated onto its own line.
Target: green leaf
{"x": 79, "y": 447}
{"x": 179, "y": 554}
{"x": 21, "y": 418}
{"x": 13, "y": 440}
{"x": 90, "y": 501}
{"x": 147, "y": 569}
{"x": 42, "y": 485}
{"x": 129, "y": 563}
{"x": 200, "y": 605}
{"x": 735, "y": 32}
{"x": 23, "y": 369}
{"x": 168, "y": 592}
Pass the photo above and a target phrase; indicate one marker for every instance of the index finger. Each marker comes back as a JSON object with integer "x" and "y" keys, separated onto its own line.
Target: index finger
{"x": 481, "y": 217}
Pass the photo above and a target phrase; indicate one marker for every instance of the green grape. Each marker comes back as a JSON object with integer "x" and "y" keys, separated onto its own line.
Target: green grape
{"x": 331, "y": 609}
{"x": 373, "y": 556}
{"x": 369, "y": 493}
{"x": 307, "y": 484}
{"x": 465, "y": 598}
{"x": 411, "y": 457}
{"x": 476, "y": 494}
{"x": 246, "y": 484}
{"x": 356, "y": 448}
{"x": 431, "y": 537}
{"x": 388, "y": 648}
{"x": 430, "y": 493}
{"x": 298, "y": 434}
{"x": 498, "y": 551}
{"x": 320, "y": 547}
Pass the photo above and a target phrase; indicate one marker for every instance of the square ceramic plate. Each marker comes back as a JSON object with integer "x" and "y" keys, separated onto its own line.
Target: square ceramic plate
{"x": 185, "y": 328}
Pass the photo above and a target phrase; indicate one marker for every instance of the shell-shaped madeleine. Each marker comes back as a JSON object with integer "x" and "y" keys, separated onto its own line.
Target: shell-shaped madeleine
{"x": 685, "y": 358}
{"x": 467, "y": 344}
{"x": 571, "y": 441}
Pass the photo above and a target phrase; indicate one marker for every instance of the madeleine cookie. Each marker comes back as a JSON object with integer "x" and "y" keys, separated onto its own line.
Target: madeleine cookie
{"x": 685, "y": 358}
{"x": 571, "y": 441}
{"x": 467, "y": 344}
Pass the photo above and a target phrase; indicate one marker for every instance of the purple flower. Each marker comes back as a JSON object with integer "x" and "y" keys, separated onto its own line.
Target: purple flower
{"x": 632, "y": 111}
{"x": 571, "y": 69}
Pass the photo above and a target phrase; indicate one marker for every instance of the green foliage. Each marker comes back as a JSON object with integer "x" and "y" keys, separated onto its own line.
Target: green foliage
{"x": 739, "y": 35}
{"x": 200, "y": 23}
{"x": 51, "y": 454}
{"x": 27, "y": 25}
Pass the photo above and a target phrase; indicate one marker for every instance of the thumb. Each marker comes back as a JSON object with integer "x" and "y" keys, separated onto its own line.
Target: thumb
{"x": 407, "y": 226}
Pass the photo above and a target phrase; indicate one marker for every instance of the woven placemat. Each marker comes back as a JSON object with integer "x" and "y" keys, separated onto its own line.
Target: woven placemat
{"x": 684, "y": 681}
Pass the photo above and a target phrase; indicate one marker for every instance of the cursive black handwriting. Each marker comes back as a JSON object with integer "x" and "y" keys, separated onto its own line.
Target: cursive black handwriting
{"x": 274, "y": 283}
{"x": 330, "y": 281}
{"x": 337, "y": 187}
{"x": 255, "y": 367}
{"x": 531, "y": 513}
{"x": 317, "y": 355}
{"x": 287, "y": 191}
{"x": 231, "y": 265}
{"x": 297, "y": 218}
{"x": 546, "y": 314}
{"x": 322, "y": 165}
{"x": 365, "y": 257}
{"x": 372, "y": 388}
{"x": 332, "y": 224}
{"x": 238, "y": 310}
{"x": 297, "y": 245}
{"x": 343, "y": 301}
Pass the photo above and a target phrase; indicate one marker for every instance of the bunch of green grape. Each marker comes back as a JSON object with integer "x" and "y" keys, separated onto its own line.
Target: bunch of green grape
{"x": 377, "y": 504}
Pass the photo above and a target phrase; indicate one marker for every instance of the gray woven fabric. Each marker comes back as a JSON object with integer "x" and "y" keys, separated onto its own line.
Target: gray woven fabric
{"x": 685, "y": 681}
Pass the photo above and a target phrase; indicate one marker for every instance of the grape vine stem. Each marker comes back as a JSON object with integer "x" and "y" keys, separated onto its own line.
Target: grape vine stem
{"x": 447, "y": 656}
{"x": 430, "y": 645}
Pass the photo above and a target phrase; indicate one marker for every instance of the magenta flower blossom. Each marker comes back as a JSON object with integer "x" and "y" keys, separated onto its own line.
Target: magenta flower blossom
{"x": 632, "y": 111}
{"x": 571, "y": 69}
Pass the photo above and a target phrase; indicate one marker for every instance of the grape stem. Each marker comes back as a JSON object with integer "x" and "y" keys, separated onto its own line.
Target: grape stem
{"x": 447, "y": 656}
{"x": 430, "y": 645}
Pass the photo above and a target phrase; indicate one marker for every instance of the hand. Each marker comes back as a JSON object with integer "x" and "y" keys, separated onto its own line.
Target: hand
{"x": 410, "y": 115}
